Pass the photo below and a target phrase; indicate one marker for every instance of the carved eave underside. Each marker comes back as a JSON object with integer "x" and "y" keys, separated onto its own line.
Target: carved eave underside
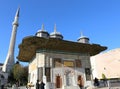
{"x": 29, "y": 46}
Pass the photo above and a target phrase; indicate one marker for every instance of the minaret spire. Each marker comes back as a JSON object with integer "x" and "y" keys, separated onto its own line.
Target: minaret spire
{"x": 17, "y": 13}
{"x": 15, "y": 22}
{"x": 9, "y": 62}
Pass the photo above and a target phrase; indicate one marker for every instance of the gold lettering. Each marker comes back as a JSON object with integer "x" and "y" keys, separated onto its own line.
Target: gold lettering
{"x": 68, "y": 63}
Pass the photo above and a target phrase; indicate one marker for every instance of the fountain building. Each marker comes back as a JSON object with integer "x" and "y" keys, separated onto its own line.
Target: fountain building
{"x": 59, "y": 63}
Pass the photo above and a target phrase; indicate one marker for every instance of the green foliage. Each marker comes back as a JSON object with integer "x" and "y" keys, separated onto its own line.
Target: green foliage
{"x": 18, "y": 74}
{"x": 11, "y": 79}
{"x": 25, "y": 75}
{"x": 18, "y": 71}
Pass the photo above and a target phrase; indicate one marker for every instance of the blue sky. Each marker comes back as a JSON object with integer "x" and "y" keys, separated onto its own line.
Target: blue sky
{"x": 97, "y": 19}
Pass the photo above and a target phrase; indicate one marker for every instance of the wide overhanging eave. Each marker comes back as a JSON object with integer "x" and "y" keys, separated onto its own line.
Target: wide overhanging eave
{"x": 30, "y": 44}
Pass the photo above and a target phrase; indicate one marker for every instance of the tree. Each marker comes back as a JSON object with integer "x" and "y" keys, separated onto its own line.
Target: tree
{"x": 25, "y": 75}
{"x": 18, "y": 74}
{"x": 11, "y": 79}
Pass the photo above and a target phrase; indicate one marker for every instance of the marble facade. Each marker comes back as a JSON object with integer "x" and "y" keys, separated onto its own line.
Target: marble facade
{"x": 60, "y": 70}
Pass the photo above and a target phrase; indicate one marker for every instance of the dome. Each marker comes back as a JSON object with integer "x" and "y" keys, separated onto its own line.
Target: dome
{"x": 42, "y": 33}
{"x": 56, "y": 34}
{"x": 83, "y": 39}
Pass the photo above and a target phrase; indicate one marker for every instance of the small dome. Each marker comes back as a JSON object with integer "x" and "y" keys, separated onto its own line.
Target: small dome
{"x": 42, "y": 33}
{"x": 56, "y": 34}
{"x": 83, "y": 39}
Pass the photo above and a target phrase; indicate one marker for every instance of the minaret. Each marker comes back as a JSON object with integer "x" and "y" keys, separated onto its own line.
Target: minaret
{"x": 9, "y": 62}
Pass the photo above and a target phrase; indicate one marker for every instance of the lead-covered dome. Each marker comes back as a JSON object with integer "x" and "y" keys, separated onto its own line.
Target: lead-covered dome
{"x": 56, "y": 34}
{"x": 83, "y": 39}
{"x": 42, "y": 32}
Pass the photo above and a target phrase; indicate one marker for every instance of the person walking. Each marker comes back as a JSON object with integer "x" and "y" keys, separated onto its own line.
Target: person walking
{"x": 42, "y": 84}
{"x": 37, "y": 84}
{"x": 96, "y": 82}
{"x": 80, "y": 82}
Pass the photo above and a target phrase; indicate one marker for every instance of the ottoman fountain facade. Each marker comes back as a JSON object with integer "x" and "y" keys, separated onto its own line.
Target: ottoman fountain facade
{"x": 59, "y": 63}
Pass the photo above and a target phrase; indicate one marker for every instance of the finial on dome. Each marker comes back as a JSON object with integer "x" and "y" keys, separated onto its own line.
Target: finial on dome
{"x": 56, "y": 34}
{"x": 55, "y": 28}
{"x": 42, "y": 32}
{"x": 81, "y": 34}
{"x": 42, "y": 27}
{"x": 83, "y": 39}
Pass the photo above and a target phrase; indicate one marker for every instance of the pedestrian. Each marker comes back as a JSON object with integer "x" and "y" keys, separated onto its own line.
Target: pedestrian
{"x": 2, "y": 86}
{"x": 80, "y": 82}
{"x": 105, "y": 82}
{"x": 37, "y": 84}
{"x": 42, "y": 84}
{"x": 96, "y": 82}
